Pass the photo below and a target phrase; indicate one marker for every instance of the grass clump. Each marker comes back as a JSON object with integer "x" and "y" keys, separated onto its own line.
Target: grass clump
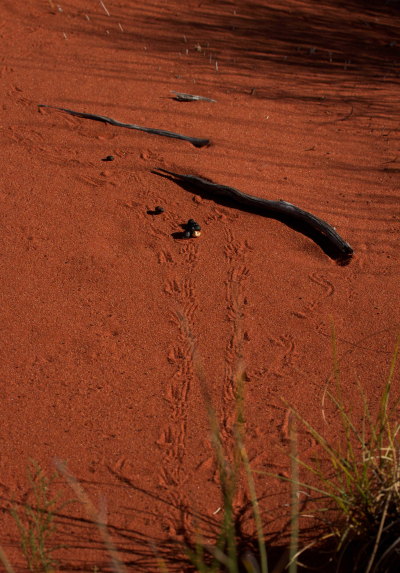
{"x": 357, "y": 484}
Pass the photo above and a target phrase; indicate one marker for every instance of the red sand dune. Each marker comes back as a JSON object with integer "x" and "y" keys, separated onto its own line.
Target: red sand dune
{"x": 113, "y": 328}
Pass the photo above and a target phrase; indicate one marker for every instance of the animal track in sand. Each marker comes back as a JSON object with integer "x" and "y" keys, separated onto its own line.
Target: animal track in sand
{"x": 180, "y": 291}
{"x": 285, "y": 355}
{"x": 164, "y": 256}
{"x": 93, "y": 181}
{"x": 328, "y": 290}
{"x": 235, "y": 294}
{"x": 189, "y": 251}
{"x": 163, "y": 225}
{"x": 36, "y": 144}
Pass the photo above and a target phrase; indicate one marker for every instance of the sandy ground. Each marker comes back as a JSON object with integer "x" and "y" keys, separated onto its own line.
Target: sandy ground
{"x": 113, "y": 329}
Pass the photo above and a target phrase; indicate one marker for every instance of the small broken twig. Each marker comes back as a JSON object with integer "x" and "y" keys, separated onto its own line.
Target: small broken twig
{"x": 179, "y": 96}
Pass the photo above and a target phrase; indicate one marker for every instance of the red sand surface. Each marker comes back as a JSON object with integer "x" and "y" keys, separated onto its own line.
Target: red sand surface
{"x": 113, "y": 329}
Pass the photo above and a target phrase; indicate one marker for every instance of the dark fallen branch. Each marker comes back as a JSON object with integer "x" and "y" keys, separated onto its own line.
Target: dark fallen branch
{"x": 316, "y": 229}
{"x": 196, "y": 141}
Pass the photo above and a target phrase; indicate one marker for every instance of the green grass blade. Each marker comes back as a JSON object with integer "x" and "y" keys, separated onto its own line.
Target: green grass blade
{"x": 256, "y": 509}
{"x": 4, "y": 560}
{"x": 294, "y": 502}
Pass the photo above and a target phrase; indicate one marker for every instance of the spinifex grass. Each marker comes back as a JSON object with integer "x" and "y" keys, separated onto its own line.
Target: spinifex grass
{"x": 358, "y": 483}
{"x": 36, "y": 521}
